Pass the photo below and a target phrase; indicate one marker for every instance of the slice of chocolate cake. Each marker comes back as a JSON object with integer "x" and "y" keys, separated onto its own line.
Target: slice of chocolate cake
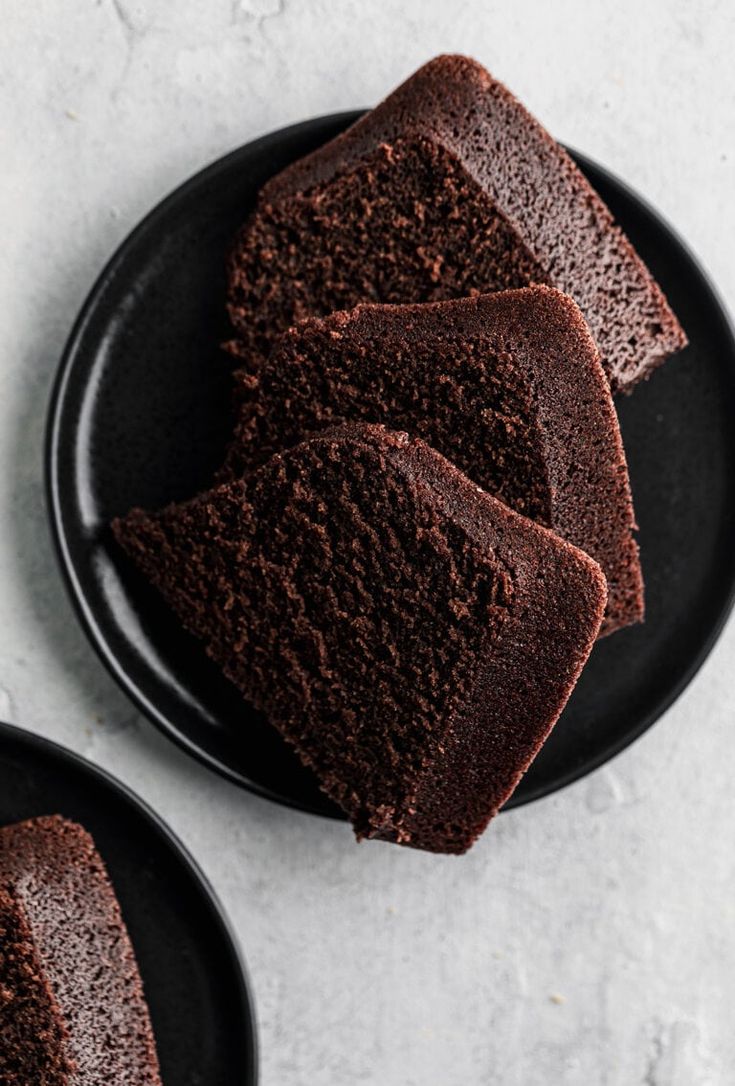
{"x": 448, "y": 188}
{"x": 72, "y": 1010}
{"x": 507, "y": 386}
{"x": 412, "y": 637}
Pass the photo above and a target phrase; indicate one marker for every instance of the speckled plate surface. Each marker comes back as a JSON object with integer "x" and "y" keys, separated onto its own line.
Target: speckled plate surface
{"x": 194, "y": 979}
{"x": 140, "y": 416}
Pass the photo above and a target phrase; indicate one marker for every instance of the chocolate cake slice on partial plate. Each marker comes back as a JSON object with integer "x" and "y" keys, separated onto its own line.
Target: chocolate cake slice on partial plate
{"x": 72, "y": 1009}
{"x": 448, "y": 188}
{"x": 507, "y": 386}
{"x": 411, "y": 636}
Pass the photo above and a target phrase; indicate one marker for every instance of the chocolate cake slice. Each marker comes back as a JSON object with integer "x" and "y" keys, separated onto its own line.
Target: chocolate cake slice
{"x": 411, "y": 636}
{"x": 508, "y": 386}
{"x": 72, "y": 1010}
{"x": 448, "y": 188}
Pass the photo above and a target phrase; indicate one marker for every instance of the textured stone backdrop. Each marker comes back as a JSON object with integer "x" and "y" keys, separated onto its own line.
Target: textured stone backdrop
{"x": 588, "y": 939}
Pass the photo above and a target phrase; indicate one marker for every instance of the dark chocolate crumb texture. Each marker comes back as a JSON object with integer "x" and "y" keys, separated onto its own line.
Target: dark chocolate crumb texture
{"x": 448, "y": 188}
{"x": 411, "y": 636}
{"x": 72, "y": 1010}
{"x": 507, "y": 386}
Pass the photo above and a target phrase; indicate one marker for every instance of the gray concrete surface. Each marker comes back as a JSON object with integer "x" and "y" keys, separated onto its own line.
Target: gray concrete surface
{"x": 588, "y": 939}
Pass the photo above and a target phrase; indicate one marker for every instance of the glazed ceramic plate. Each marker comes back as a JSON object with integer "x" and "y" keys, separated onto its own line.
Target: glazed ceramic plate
{"x": 194, "y": 979}
{"x": 140, "y": 416}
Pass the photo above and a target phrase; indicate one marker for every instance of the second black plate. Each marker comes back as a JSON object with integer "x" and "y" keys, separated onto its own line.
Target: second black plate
{"x": 193, "y": 977}
{"x": 140, "y": 416}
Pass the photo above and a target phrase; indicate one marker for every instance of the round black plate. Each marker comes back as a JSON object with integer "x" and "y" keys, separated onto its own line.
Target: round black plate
{"x": 140, "y": 416}
{"x": 194, "y": 979}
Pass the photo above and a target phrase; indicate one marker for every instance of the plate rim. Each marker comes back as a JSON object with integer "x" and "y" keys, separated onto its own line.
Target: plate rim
{"x": 74, "y": 588}
{"x": 57, "y": 751}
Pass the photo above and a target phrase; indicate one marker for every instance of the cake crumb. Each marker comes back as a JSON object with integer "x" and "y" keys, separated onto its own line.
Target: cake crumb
{"x": 557, "y": 998}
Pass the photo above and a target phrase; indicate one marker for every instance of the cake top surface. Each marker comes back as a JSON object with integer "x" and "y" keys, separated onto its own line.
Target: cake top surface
{"x": 441, "y": 100}
{"x": 26, "y": 845}
{"x": 538, "y": 315}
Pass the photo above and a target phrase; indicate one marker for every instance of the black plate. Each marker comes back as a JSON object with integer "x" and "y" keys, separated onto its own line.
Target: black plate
{"x": 140, "y": 416}
{"x": 194, "y": 979}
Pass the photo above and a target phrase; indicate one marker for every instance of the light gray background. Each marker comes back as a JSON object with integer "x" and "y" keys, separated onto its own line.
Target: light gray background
{"x": 589, "y": 938}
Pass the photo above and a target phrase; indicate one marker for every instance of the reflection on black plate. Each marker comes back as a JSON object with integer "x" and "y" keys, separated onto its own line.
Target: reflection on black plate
{"x": 194, "y": 980}
{"x": 140, "y": 416}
